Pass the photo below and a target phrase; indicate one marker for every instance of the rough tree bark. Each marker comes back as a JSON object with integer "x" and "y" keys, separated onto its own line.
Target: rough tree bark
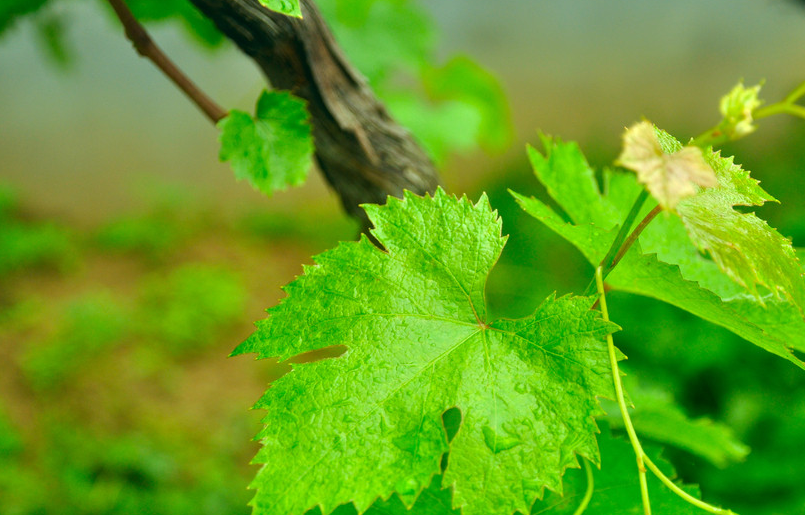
{"x": 364, "y": 154}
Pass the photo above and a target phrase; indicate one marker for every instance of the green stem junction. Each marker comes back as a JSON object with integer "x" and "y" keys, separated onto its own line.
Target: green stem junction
{"x": 623, "y": 240}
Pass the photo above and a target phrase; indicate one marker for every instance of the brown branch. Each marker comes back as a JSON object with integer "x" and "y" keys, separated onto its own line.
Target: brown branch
{"x": 363, "y": 153}
{"x": 146, "y": 47}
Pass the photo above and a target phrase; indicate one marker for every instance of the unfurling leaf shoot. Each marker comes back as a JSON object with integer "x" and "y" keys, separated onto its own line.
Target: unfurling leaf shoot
{"x": 737, "y": 107}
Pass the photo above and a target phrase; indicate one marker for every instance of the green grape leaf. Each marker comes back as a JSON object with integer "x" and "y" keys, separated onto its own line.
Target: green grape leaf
{"x": 434, "y": 500}
{"x": 616, "y": 487}
{"x": 670, "y": 270}
{"x": 668, "y": 176}
{"x": 289, "y": 7}
{"x": 414, "y": 320}
{"x": 440, "y": 128}
{"x": 273, "y": 149}
{"x": 50, "y": 31}
{"x": 702, "y": 437}
{"x": 741, "y": 244}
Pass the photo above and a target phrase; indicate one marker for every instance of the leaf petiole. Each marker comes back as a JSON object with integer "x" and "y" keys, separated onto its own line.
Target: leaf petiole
{"x": 588, "y": 494}
{"x": 643, "y": 460}
{"x": 616, "y": 377}
{"x": 683, "y": 494}
{"x": 632, "y": 238}
{"x": 618, "y": 248}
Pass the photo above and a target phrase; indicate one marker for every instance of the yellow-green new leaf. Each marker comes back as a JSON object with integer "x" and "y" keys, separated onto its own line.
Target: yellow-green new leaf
{"x": 737, "y": 107}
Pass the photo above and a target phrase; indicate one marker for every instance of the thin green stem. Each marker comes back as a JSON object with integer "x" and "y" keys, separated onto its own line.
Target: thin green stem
{"x": 780, "y": 107}
{"x": 769, "y": 110}
{"x": 607, "y": 262}
{"x": 588, "y": 494}
{"x": 787, "y": 105}
{"x": 710, "y": 138}
{"x": 643, "y": 485}
{"x": 624, "y": 230}
{"x": 616, "y": 378}
{"x": 643, "y": 460}
{"x": 683, "y": 494}
{"x": 795, "y": 95}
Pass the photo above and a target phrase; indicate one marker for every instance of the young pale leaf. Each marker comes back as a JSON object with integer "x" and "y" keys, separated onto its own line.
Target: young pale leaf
{"x": 273, "y": 149}
{"x": 669, "y": 176}
{"x": 413, "y": 318}
{"x": 672, "y": 270}
{"x": 289, "y": 7}
{"x": 616, "y": 488}
{"x": 737, "y": 107}
{"x": 741, "y": 244}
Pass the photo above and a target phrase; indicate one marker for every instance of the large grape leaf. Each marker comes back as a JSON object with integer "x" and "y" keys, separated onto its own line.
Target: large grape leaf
{"x": 434, "y": 500}
{"x": 671, "y": 269}
{"x": 273, "y": 149}
{"x": 616, "y": 489}
{"x": 413, "y": 318}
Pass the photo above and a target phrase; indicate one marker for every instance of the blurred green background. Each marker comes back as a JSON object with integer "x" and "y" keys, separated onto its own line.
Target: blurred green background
{"x": 131, "y": 262}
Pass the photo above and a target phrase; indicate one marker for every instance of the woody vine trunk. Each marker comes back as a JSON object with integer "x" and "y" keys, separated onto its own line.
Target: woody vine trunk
{"x": 362, "y": 151}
